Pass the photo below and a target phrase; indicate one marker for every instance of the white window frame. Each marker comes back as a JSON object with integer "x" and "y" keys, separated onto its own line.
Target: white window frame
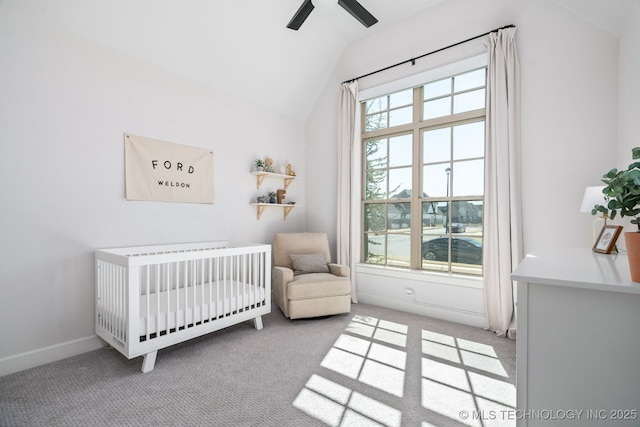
{"x": 454, "y": 68}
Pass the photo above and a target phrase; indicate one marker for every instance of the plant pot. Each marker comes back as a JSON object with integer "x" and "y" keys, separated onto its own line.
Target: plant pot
{"x": 632, "y": 240}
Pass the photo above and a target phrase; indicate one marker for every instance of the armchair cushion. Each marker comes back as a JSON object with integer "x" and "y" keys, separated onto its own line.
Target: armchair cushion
{"x": 309, "y": 263}
{"x": 317, "y": 285}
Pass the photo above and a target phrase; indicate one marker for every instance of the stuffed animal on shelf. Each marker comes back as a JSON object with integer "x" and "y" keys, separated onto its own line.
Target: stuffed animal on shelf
{"x": 268, "y": 164}
{"x": 290, "y": 171}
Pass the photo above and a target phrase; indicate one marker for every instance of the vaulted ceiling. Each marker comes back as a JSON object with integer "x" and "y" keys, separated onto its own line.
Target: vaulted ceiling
{"x": 243, "y": 46}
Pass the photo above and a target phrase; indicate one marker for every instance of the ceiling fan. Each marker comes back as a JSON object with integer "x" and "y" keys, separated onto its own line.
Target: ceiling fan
{"x": 352, "y": 6}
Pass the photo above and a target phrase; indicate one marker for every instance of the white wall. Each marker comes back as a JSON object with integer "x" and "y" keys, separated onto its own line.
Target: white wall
{"x": 629, "y": 102}
{"x": 569, "y": 122}
{"x": 65, "y": 105}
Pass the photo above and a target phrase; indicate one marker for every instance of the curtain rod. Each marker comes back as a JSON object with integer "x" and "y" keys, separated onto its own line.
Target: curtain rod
{"x": 413, "y": 60}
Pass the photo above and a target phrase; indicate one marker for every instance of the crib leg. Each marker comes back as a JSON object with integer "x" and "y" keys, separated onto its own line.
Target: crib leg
{"x": 257, "y": 322}
{"x": 149, "y": 361}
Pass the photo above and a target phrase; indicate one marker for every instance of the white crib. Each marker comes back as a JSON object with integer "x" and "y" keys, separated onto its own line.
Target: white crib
{"x": 151, "y": 297}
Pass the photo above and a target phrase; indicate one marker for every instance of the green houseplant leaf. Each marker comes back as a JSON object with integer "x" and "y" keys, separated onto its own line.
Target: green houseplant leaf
{"x": 622, "y": 192}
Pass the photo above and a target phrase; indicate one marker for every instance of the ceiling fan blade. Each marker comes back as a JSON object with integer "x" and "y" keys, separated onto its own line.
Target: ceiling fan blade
{"x": 357, "y": 11}
{"x": 301, "y": 15}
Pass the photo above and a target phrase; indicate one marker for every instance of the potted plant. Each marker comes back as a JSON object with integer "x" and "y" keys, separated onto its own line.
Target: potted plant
{"x": 259, "y": 165}
{"x": 622, "y": 194}
{"x": 272, "y": 197}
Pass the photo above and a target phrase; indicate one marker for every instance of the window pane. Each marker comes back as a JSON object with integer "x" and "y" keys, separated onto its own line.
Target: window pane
{"x": 466, "y": 255}
{"x": 376, "y": 105}
{"x": 437, "y": 108}
{"x": 376, "y": 121}
{"x": 399, "y": 216}
{"x": 400, "y": 150}
{"x": 436, "y": 145}
{"x": 435, "y": 180}
{"x": 469, "y": 215}
{"x": 469, "y": 80}
{"x": 468, "y": 141}
{"x": 374, "y": 218}
{"x": 401, "y": 98}
{"x": 401, "y": 116}
{"x": 435, "y": 253}
{"x": 399, "y": 250}
{"x": 376, "y": 185}
{"x": 436, "y": 89}
{"x": 376, "y": 153}
{"x": 374, "y": 248}
{"x": 434, "y": 217}
{"x": 468, "y": 178}
{"x": 468, "y": 101}
{"x": 400, "y": 181}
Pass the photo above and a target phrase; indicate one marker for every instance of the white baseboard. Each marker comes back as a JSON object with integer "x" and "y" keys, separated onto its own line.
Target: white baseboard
{"x": 42, "y": 356}
{"x": 438, "y": 312}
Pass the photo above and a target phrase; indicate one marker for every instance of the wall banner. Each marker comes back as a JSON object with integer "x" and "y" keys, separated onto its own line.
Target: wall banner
{"x": 167, "y": 172}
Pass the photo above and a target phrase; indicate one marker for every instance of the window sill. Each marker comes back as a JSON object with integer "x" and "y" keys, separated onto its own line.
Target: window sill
{"x": 422, "y": 276}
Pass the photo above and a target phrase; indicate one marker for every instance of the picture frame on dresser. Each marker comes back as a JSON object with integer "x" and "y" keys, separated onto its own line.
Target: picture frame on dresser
{"x": 606, "y": 241}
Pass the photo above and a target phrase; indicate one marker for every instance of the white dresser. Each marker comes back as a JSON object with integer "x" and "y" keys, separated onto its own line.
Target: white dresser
{"x": 578, "y": 342}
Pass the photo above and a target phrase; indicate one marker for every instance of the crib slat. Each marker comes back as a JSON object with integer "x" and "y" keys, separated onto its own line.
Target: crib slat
{"x": 184, "y": 286}
{"x": 171, "y": 297}
{"x": 257, "y": 296}
{"x": 209, "y": 284}
{"x": 246, "y": 302}
{"x": 194, "y": 275}
{"x": 224, "y": 287}
{"x": 217, "y": 276}
{"x": 118, "y": 301}
{"x": 234, "y": 278}
{"x": 161, "y": 275}
{"x": 202, "y": 265}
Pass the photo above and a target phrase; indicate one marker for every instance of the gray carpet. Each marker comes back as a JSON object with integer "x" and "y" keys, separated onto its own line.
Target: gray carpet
{"x": 373, "y": 366}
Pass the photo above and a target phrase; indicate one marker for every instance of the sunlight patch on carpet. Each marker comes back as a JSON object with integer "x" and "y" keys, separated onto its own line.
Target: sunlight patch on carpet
{"x": 383, "y": 377}
{"x": 343, "y": 362}
{"x": 354, "y": 345}
{"x": 371, "y": 352}
{"x": 339, "y": 406}
{"x": 463, "y": 380}
{"x": 320, "y": 407}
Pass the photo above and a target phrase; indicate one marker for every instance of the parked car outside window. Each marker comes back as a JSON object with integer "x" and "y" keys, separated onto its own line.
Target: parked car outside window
{"x": 457, "y": 227}
{"x": 463, "y": 250}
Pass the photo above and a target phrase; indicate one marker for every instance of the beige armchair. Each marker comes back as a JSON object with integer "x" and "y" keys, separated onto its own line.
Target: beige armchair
{"x": 305, "y": 283}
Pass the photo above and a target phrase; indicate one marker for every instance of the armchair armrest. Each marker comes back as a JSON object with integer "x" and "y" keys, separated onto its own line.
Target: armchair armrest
{"x": 280, "y": 276}
{"x": 339, "y": 270}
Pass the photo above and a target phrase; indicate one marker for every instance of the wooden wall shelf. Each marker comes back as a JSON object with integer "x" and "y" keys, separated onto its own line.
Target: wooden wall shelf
{"x": 260, "y": 207}
{"x": 262, "y": 175}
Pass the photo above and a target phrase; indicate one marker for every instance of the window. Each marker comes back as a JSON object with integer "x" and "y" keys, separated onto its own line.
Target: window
{"x": 423, "y": 184}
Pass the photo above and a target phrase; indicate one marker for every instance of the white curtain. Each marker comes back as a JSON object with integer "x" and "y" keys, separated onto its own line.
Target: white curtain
{"x": 348, "y": 150}
{"x": 502, "y": 204}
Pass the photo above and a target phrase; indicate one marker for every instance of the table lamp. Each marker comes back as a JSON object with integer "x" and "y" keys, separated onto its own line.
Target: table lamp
{"x": 594, "y": 196}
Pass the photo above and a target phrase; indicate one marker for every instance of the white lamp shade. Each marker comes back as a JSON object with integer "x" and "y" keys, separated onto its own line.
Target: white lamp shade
{"x": 592, "y": 196}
